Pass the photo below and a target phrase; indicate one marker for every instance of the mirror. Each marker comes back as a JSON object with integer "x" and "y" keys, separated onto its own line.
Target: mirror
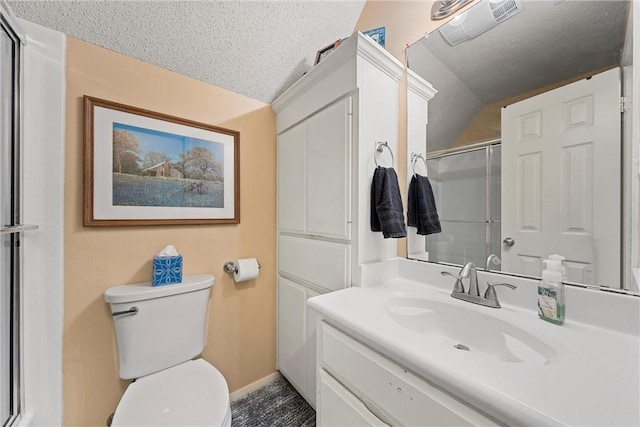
{"x": 527, "y": 151}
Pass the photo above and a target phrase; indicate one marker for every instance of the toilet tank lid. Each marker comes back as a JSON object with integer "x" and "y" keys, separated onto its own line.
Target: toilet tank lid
{"x": 144, "y": 290}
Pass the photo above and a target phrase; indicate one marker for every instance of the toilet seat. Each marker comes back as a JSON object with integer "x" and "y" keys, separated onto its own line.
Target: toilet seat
{"x": 193, "y": 393}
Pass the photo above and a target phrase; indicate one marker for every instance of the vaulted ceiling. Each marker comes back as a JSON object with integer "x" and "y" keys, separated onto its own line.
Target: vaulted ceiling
{"x": 255, "y": 48}
{"x": 546, "y": 43}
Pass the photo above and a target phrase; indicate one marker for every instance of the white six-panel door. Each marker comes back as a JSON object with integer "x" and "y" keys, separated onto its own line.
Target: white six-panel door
{"x": 561, "y": 180}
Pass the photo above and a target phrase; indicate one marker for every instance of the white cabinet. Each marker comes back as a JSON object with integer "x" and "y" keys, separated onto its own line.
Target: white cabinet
{"x": 395, "y": 395}
{"x": 311, "y": 317}
{"x": 322, "y": 264}
{"x": 314, "y": 174}
{"x": 328, "y": 125}
{"x": 297, "y": 336}
{"x": 291, "y": 180}
{"x": 329, "y": 171}
{"x": 291, "y": 327}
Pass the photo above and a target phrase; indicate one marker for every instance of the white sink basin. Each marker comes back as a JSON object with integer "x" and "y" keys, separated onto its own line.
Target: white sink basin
{"x": 466, "y": 329}
{"x": 518, "y": 368}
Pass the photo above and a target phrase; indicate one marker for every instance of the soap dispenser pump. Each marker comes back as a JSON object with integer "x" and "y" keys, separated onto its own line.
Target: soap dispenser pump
{"x": 551, "y": 305}
{"x": 560, "y": 267}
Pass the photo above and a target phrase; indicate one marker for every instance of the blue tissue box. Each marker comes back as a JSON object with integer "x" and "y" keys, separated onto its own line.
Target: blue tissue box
{"x": 167, "y": 270}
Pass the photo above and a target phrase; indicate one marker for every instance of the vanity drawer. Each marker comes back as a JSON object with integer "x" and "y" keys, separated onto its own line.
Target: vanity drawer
{"x": 339, "y": 407}
{"x": 401, "y": 397}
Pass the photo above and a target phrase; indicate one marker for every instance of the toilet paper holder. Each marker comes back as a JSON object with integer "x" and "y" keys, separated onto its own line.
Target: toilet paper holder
{"x": 229, "y": 267}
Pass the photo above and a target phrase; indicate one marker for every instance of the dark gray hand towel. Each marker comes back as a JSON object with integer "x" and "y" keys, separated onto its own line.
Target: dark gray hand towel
{"x": 422, "y": 212}
{"x": 386, "y": 204}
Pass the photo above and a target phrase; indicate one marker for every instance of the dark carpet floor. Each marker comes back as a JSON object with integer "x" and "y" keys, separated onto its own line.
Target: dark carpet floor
{"x": 276, "y": 404}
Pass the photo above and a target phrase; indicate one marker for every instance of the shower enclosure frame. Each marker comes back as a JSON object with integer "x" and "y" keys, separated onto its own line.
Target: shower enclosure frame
{"x": 488, "y": 147}
{"x": 10, "y": 213}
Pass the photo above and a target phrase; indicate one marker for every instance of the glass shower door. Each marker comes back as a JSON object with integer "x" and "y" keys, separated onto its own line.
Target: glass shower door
{"x": 459, "y": 183}
{"x": 466, "y": 186}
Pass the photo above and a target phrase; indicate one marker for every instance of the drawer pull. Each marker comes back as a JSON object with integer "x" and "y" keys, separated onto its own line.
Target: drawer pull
{"x": 376, "y": 412}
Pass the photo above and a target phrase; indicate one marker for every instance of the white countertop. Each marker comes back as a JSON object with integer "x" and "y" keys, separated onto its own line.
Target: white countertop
{"x": 593, "y": 380}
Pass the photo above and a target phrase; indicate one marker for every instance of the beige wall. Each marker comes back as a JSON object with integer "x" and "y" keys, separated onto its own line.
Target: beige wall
{"x": 405, "y": 22}
{"x": 241, "y": 329}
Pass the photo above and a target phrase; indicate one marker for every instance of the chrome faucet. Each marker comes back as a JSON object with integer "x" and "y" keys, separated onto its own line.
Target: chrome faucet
{"x": 468, "y": 271}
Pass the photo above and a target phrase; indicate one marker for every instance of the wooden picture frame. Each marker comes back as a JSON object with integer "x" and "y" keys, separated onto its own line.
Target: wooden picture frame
{"x": 147, "y": 168}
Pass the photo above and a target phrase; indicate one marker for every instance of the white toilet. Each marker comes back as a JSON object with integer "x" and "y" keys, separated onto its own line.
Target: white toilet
{"x": 158, "y": 331}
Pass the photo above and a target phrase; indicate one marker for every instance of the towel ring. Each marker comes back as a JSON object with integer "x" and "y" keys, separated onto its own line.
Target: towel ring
{"x": 380, "y": 149}
{"x": 414, "y": 159}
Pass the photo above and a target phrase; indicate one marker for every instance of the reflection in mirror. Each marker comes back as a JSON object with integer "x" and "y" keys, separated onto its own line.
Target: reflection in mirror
{"x": 468, "y": 232}
{"x": 525, "y": 138}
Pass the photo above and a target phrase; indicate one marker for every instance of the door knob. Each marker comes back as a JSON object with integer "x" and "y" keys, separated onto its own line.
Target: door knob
{"x": 509, "y": 241}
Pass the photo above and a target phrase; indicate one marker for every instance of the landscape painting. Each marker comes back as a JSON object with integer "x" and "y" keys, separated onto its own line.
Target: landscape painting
{"x": 148, "y": 168}
{"x": 154, "y": 168}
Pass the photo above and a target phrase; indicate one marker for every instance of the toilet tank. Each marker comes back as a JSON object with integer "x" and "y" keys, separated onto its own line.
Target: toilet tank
{"x": 159, "y": 327}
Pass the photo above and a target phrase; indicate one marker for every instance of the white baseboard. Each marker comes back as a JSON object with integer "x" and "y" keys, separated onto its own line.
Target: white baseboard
{"x": 254, "y": 386}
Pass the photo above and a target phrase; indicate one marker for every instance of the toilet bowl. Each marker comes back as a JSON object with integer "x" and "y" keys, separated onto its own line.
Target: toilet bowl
{"x": 193, "y": 393}
{"x": 159, "y": 330}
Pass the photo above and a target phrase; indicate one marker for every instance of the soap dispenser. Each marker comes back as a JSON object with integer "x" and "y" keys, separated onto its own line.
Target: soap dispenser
{"x": 551, "y": 293}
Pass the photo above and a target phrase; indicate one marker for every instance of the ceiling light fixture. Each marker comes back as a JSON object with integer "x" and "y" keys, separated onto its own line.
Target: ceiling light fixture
{"x": 444, "y": 8}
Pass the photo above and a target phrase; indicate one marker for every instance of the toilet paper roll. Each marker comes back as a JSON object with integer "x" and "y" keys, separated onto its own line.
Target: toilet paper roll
{"x": 246, "y": 269}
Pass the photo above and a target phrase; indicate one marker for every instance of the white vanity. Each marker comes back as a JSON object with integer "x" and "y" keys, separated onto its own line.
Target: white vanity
{"x": 403, "y": 352}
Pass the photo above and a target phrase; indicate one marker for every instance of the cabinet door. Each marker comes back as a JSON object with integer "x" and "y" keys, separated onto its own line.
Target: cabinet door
{"x": 325, "y": 264}
{"x": 292, "y": 332}
{"x": 291, "y": 179}
{"x": 329, "y": 171}
{"x": 340, "y": 408}
{"x": 312, "y": 317}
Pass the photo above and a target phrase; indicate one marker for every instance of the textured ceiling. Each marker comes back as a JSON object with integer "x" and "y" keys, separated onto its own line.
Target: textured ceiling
{"x": 549, "y": 41}
{"x": 545, "y": 43}
{"x": 257, "y": 49}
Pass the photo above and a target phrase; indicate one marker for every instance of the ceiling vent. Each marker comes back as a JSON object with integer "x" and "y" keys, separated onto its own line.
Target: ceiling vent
{"x": 478, "y": 19}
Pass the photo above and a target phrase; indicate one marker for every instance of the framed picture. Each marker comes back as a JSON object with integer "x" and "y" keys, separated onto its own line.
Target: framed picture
{"x": 148, "y": 168}
{"x": 325, "y": 51}
{"x": 377, "y": 34}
